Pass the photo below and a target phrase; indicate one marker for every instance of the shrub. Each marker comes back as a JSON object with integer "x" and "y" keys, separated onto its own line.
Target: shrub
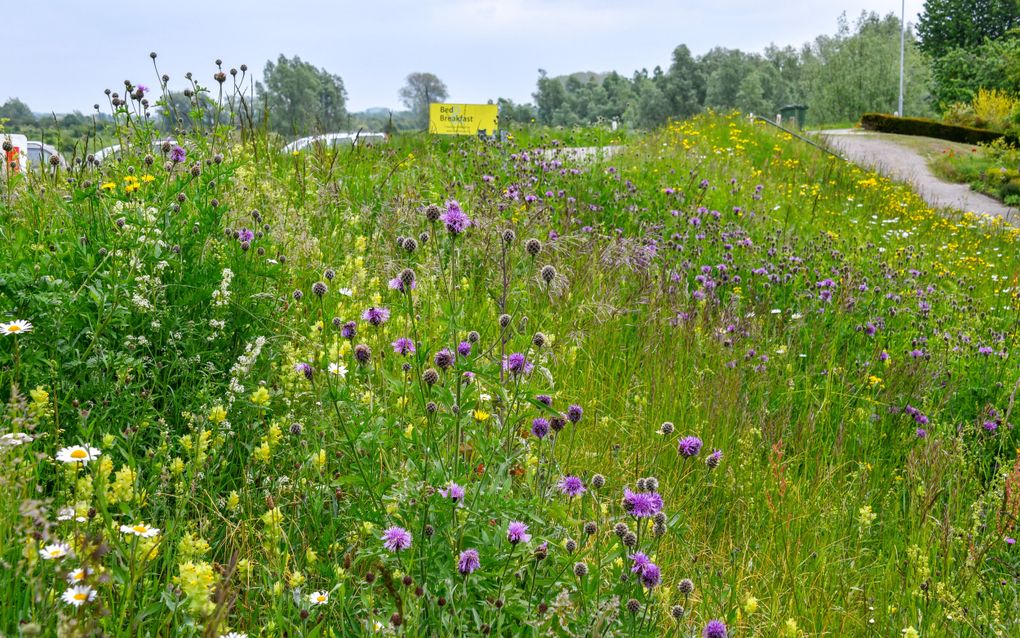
{"x": 994, "y": 107}
{"x": 930, "y": 128}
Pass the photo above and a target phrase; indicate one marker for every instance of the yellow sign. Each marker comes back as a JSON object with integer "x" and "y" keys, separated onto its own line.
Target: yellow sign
{"x": 463, "y": 119}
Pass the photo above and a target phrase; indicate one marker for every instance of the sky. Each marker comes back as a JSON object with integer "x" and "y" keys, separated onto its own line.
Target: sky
{"x": 62, "y": 54}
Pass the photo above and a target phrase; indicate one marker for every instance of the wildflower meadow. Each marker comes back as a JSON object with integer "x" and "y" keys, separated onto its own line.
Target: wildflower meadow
{"x": 704, "y": 381}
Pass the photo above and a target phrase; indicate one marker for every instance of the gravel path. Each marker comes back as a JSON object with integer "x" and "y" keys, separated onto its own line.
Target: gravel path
{"x": 903, "y": 163}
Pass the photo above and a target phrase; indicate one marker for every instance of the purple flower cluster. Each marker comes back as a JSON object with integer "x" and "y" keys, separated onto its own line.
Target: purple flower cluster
{"x": 403, "y": 346}
{"x": 571, "y": 486}
{"x": 517, "y": 532}
{"x": 376, "y": 316}
{"x": 468, "y": 561}
{"x": 689, "y": 446}
{"x": 517, "y": 364}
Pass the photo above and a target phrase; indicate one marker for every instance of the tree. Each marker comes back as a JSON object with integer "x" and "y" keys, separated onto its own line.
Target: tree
{"x": 17, "y": 113}
{"x": 420, "y": 90}
{"x": 950, "y": 24}
{"x": 683, "y": 85}
{"x": 301, "y": 98}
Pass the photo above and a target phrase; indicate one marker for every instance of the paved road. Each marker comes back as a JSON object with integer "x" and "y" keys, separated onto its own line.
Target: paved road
{"x": 905, "y": 164}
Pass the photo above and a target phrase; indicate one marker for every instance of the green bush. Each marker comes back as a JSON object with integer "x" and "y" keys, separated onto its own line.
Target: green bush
{"x": 931, "y": 128}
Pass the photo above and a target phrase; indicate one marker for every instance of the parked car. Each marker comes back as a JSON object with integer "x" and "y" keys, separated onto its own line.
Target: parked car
{"x": 40, "y": 156}
{"x": 114, "y": 151}
{"x": 333, "y": 140}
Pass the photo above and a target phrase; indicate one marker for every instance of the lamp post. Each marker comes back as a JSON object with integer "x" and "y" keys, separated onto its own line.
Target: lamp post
{"x": 903, "y": 44}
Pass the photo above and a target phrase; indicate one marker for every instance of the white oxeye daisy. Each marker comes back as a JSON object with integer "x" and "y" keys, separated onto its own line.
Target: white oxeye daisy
{"x": 54, "y": 551}
{"x": 78, "y": 454}
{"x": 318, "y": 597}
{"x": 15, "y": 327}
{"x": 339, "y": 369}
{"x": 78, "y": 595}
{"x": 77, "y": 575}
{"x": 140, "y": 529}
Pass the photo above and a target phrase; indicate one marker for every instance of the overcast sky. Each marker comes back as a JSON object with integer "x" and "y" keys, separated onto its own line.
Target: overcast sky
{"x": 61, "y": 54}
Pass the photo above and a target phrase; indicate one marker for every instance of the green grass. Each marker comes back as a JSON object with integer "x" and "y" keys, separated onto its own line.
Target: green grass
{"x": 990, "y": 169}
{"x": 829, "y": 514}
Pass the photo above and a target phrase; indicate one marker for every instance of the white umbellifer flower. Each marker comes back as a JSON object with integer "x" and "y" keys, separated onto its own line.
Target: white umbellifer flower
{"x": 78, "y": 595}
{"x": 318, "y": 597}
{"x": 14, "y": 439}
{"x": 15, "y": 327}
{"x": 234, "y": 634}
{"x": 54, "y": 551}
{"x": 68, "y": 514}
{"x": 339, "y": 369}
{"x": 77, "y": 575}
{"x": 78, "y": 454}
{"x": 140, "y": 529}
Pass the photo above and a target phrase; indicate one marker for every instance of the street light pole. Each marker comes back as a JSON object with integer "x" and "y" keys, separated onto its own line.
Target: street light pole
{"x": 903, "y": 35}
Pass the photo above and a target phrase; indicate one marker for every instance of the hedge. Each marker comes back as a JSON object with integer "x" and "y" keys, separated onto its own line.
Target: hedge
{"x": 931, "y": 128}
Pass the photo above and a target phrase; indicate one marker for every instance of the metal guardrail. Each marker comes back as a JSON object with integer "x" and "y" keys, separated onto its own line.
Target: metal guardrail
{"x": 820, "y": 147}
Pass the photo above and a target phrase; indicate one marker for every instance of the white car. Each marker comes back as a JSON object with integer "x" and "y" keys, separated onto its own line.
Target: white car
{"x": 40, "y": 155}
{"x": 115, "y": 150}
{"x": 333, "y": 140}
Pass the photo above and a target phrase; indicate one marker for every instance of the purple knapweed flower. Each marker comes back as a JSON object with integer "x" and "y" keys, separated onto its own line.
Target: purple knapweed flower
{"x": 921, "y": 433}
{"x": 376, "y": 316}
{"x": 444, "y": 358}
{"x": 574, "y": 413}
{"x": 985, "y": 350}
{"x": 245, "y": 234}
{"x": 517, "y": 532}
{"x": 453, "y": 492}
{"x": 178, "y": 154}
{"x": 468, "y": 561}
{"x": 651, "y": 576}
{"x": 540, "y": 427}
{"x": 714, "y": 459}
{"x": 305, "y": 369}
{"x": 454, "y": 218}
{"x": 689, "y": 446}
{"x": 349, "y": 330}
{"x": 642, "y": 504}
{"x": 544, "y": 399}
{"x": 403, "y": 346}
{"x": 714, "y": 629}
{"x": 464, "y": 348}
{"x": 641, "y": 561}
{"x": 396, "y": 539}
{"x": 571, "y": 486}
{"x": 517, "y": 364}
{"x": 398, "y": 284}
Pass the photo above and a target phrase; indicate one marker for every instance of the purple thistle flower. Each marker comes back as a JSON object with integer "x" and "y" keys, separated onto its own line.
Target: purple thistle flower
{"x": 305, "y": 369}
{"x": 540, "y": 427}
{"x": 178, "y": 154}
{"x": 245, "y": 234}
{"x": 517, "y": 532}
{"x": 985, "y": 350}
{"x": 641, "y": 504}
{"x": 396, "y": 539}
{"x": 141, "y": 87}
{"x": 454, "y": 218}
{"x": 349, "y": 330}
{"x": 453, "y": 492}
{"x": 376, "y": 316}
{"x": 574, "y": 413}
{"x": 921, "y": 433}
{"x": 544, "y": 399}
{"x": 464, "y": 348}
{"x": 689, "y": 446}
{"x": 571, "y": 486}
{"x": 444, "y": 358}
{"x": 651, "y": 576}
{"x": 468, "y": 561}
{"x": 714, "y": 629}
{"x": 403, "y": 346}
{"x": 517, "y": 364}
